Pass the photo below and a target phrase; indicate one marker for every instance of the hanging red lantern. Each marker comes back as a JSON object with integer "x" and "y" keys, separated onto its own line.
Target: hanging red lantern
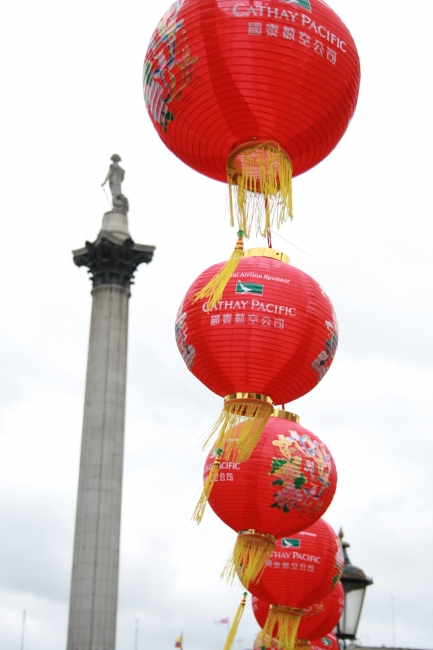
{"x": 317, "y": 620}
{"x": 302, "y": 571}
{"x": 252, "y": 92}
{"x": 270, "y": 340}
{"x": 286, "y": 485}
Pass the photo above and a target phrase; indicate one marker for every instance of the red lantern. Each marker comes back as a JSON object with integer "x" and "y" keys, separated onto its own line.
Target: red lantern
{"x": 270, "y": 339}
{"x": 302, "y": 570}
{"x": 286, "y": 485}
{"x": 328, "y": 642}
{"x": 317, "y": 620}
{"x": 252, "y": 91}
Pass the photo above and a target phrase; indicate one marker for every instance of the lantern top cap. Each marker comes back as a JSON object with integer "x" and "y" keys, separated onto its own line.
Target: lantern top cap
{"x": 268, "y": 252}
{"x": 286, "y": 415}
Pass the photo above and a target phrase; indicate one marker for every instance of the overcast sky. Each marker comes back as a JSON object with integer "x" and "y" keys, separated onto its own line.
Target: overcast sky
{"x": 71, "y": 97}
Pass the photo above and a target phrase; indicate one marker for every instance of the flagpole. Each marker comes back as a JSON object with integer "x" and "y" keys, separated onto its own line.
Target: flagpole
{"x": 22, "y": 634}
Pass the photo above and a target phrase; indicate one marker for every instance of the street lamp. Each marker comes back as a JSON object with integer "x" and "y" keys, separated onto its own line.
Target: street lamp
{"x": 354, "y": 582}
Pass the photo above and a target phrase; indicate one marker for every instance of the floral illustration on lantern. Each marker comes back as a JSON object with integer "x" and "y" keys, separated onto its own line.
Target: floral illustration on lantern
{"x": 339, "y": 563}
{"x": 168, "y": 49}
{"x": 180, "y": 328}
{"x": 313, "y": 611}
{"x": 323, "y": 362}
{"x": 302, "y": 472}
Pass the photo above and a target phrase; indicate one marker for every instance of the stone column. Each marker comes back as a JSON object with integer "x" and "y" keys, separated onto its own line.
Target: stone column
{"x": 112, "y": 260}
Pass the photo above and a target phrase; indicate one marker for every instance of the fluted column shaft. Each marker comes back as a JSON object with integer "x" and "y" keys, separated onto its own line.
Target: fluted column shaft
{"x": 94, "y": 588}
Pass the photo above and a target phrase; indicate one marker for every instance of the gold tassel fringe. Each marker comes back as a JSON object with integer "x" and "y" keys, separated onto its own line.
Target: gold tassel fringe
{"x": 207, "y": 488}
{"x": 259, "y": 177}
{"x": 215, "y": 287}
{"x": 250, "y": 554}
{"x": 303, "y": 644}
{"x": 234, "y": 628}
{"x": 282, "y": 624}
{"x": 240, "y": 425}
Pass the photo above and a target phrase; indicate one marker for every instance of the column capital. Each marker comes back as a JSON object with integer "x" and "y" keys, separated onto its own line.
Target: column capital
{"x": 111, "y": 262}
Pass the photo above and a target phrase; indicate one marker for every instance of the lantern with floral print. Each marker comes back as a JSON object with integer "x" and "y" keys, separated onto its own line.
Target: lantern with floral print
{"x": 317, "y": 620}
{"x": 285, "y": 486}
{"x": 302, "y": 571}
{"x": 270, "y": 340}
{"x": 251, "y": 93}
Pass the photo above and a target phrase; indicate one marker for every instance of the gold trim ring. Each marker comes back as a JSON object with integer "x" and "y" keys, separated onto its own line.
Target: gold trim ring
{"x": 254, "y": 533}
{"x": 286, "y": 415}
{"x": 267, "y": 252}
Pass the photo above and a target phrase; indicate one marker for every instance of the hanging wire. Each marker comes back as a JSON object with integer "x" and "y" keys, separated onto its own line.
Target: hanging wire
{"x": 289, "y": 242}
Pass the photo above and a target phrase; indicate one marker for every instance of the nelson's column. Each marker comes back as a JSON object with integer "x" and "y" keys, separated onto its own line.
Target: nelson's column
{"x": 112, "y": 261}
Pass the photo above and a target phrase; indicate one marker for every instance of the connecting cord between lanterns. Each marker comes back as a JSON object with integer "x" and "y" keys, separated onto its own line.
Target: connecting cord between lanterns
{"x": 269, "y": 239}
{"x": 207, "y": 488}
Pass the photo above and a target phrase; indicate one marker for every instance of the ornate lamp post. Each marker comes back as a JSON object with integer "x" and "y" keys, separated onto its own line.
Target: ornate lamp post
{"x": 354, "y": 582}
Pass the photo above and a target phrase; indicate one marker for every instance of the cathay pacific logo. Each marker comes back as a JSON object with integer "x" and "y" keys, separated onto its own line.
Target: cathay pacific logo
{"x": 287, "y": 542}
{"x": 327, "y": 642}
{"x": 305, "y": 4}
{"x": 249, "y": 287}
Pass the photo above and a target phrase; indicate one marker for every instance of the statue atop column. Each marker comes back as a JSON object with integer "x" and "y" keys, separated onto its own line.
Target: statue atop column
{"x": 115, "y": 177}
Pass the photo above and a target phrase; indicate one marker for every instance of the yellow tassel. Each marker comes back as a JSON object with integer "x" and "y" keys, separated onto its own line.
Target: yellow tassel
{"x": 282, "y": 624}
{"x": 240, "y": 425}
{"x": 259, "y": 177}
{"x": 215, "y": 288}
{"x": 250, "y": 554}
{"x": 303, "y": 644}
{"x": 234, "y": 628}
{"x": 207, "y": 488}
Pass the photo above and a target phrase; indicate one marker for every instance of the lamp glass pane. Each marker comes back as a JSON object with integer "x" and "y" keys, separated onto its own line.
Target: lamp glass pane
{"x": 352, "y": 611}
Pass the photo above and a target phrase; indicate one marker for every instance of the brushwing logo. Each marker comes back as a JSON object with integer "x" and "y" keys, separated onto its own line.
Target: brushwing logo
{"x": 305, "y": 4}
{"x": 286, "y": 542}
{"x": 327, "y": 642}
{"x": 249, "y": 287}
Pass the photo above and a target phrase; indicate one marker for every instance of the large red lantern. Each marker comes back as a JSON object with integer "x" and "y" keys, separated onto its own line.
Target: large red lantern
{"x": 317, "y": 620}
{"x": 286, "y": 485}
{"x": 252, "y": 91}
{"x": 302, "y": 571}
{"x": 270, "y": 340}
